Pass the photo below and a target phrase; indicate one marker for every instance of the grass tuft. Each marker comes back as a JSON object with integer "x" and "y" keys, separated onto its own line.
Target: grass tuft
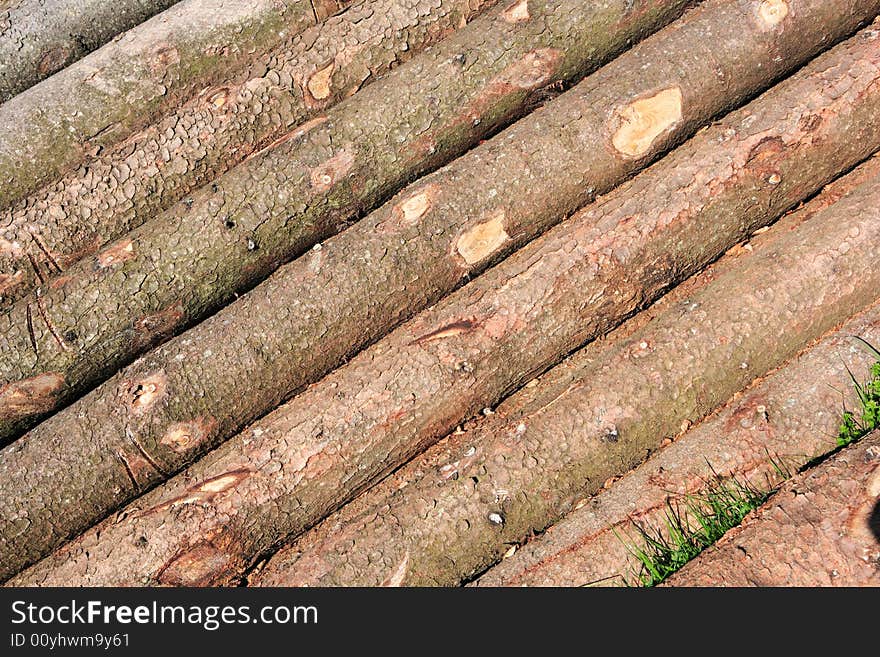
{"x": 854, "y": 426}
{"x": 692, "y": 524}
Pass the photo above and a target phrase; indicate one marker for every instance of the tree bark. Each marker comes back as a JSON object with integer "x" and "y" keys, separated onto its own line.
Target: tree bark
{"x": 789, "y": 417}
{"x": 219, "y": 127}
{"x": 180, "y": 268}
{"x": 40, "y": 37}
{"x": 198, "y": 256}
{"x": 458, "y": 508}
{"x": 821, "y": 529}
{"x": 397, "y": 397}
{"x": 101, "y": 99}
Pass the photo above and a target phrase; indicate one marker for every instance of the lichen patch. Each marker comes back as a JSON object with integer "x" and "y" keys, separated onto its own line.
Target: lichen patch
{"x": 319, "y": 84}
{"x": 482, "y": 240}
{"x": 772, "y": 12}
{"x": 517, "y": 12}
{"x": 642, "y": 121}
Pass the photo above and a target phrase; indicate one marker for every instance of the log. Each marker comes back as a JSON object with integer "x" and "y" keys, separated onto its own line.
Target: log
{"x": 791, "y": 416}
{"x": 455, "y": 510}
{"x": 121, "y": 87}
{"x": 40, "y": 37}
{"x": 273, "y": 359}
{"x": 219, "y": 127}
{"x": 200, "y": 254}
{"x": 821, "y": 529}
{"x": 394, "y": 399}
{"x": 174, "y": 271}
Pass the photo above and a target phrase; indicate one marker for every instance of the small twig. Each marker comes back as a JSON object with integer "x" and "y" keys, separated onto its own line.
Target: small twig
{"x": 36, "y": 269}
{"x": 128, "y": 470}
{"x": 42, "y": 308}
{"x": 46, "y": 253}
{"x": 30, "y": 327}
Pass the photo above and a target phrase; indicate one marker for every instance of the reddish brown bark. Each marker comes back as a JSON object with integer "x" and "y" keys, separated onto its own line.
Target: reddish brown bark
{"x": 459, "y": 507}
{"x": 821, "y": 529}
{"x": 788, "y": 417}
{"x": 398, "y": 396}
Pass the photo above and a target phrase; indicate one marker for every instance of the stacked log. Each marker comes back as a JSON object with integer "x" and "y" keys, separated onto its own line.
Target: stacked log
{"x": 40, "y": 37}
{"x": 284, "y": 474}
{"x": 221, "y": 125}
{"x": 821, "y": 529}
{"x": 458, "y": 508}
{"x": 104, "y": 97}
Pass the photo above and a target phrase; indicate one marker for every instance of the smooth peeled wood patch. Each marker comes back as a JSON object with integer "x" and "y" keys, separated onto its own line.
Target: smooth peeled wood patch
{"x": 194, "y": 567}
{"x": 483, "y": 239}
{"x": 396, "y": 578}
{"x": 646, "y": 119}
{"x": 30, "y": 396}
{"x": 183, "y": 436}
{"x": 413, "y": 208}
{"x": 147, "y": 392}
{"x": 115, "y": 254}
{"x": 533, "y": 70}
{"x": 319, "y": 83}
{"x": 772, "y": 12}
{"x": 517, "y": 13}
{"x": 329, "y": 173}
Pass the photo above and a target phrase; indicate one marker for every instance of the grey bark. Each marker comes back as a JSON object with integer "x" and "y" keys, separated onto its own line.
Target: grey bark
{"x": 40, "y": 37}
{"x": 121, "y": 87}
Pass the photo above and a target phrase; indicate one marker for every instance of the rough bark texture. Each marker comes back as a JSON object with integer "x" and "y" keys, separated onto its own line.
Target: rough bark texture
{"x": 101, "y": 99}
{"x": 821, "y": 529}
{"x": 457, "y": 509}
{"x": 176, "y": 270}
{"x": 395, "y": 398}
{"x": 198, "y": 256}
{"x": 791, "y": 416}
{"x": 40, "y": 37}
{"x": 134, "y": 181}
